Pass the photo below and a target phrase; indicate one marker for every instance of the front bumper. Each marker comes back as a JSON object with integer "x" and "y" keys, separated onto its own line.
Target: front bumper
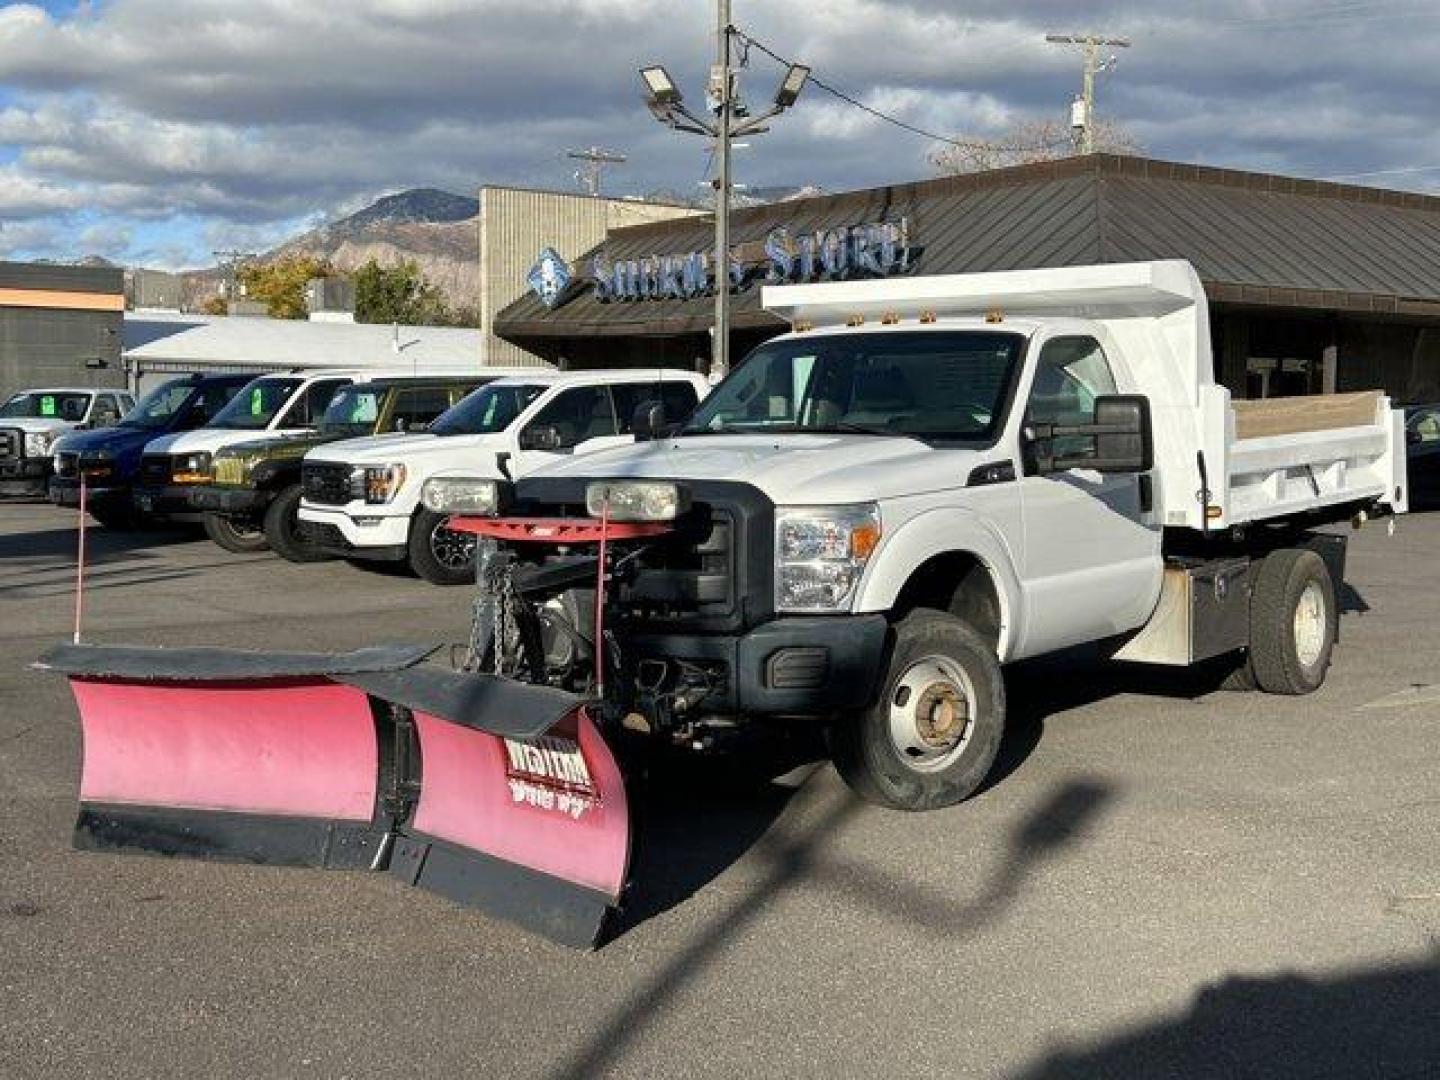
{"x": 230, "y": 501}
{"x": 65, "y": 491}
{"x": 793, "y": 666}
{"x": 24, "y": 476}
{"x": 164, "y": 499}
{"x": 384, "y": 539}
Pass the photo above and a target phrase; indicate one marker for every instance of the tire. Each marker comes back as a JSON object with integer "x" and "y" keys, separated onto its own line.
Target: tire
{"x": 435, "y": 550}
{"x": 235, "y": 534}
{"x": 880, "y": 751}
{"x": 282, "y": 520}
{"x": 1293, "y": 622}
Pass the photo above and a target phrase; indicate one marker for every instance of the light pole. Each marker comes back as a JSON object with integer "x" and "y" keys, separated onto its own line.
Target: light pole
{"x": 667, "y": 105}
{"x": 1091, "y": 44}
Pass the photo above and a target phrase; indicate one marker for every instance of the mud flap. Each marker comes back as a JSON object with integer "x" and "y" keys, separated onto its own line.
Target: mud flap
{"x": 496, "y": 794}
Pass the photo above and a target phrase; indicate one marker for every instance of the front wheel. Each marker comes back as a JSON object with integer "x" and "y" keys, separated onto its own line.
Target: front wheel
{"x": 235, "y": 534}
{"x": 439, "y": 555}
{"x": 282, "y": 529}
{"x": 932, "y": 735}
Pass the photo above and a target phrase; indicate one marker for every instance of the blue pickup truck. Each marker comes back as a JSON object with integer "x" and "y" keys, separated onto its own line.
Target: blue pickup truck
{"x": 110, "y": 458}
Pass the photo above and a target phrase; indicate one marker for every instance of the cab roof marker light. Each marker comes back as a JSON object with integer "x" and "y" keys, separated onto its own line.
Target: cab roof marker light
{"x": 855, "y": 320}
{"x": 994, "y": 315}
{"x": 890, "y": 318}
{"x": 927, "y": 317}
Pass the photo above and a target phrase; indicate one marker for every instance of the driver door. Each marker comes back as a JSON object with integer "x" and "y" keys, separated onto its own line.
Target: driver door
{"x": 1092, "y": 563}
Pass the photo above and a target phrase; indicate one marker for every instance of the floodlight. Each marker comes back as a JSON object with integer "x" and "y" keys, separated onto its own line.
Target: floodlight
{"x": 660, "y": 87}
{"x": 791, "y": 85}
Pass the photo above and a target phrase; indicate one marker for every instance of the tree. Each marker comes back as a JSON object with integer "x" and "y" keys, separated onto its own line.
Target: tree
{"x": 1028, "y": 142}
{"x": 214, "y": 305}
{"x": 398, "y": 293}
{"x": 280, "y": 285}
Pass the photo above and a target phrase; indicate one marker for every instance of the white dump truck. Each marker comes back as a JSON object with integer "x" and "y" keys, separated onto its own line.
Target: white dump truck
{"x": 931, "y": 477}
{"x": 365, "y": 498}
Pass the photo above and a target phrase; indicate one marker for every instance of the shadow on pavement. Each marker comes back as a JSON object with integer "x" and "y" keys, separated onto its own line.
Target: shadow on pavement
{"x": 812, "y": 861}
{"x": 102, "y": 543}
{"x": 1380, "y": 1023}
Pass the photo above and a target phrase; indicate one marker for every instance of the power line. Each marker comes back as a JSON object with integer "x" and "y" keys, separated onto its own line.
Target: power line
{"x": 894, "y": 120}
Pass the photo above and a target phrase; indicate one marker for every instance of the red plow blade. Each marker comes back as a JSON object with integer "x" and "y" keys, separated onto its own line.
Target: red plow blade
{"x": 494, "y": 793}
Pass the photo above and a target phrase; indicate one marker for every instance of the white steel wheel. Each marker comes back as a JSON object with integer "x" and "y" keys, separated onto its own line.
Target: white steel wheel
{"x": 1293, "y": 622}
{"x": 1311, "y": 622}
{"x": 932, "y": 710}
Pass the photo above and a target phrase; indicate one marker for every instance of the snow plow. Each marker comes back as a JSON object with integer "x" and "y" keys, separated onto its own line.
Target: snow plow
{"x": 482, "y": 784}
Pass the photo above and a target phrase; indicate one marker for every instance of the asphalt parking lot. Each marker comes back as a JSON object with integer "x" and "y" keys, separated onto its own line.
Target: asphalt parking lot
{"x": 1164, "y": 880}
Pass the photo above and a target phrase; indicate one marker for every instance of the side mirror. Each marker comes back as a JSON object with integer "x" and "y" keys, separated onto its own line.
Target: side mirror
{"x": 541, "y": 437}
{"x": 649, "y": 421}
{"x": 1122, "y": 432}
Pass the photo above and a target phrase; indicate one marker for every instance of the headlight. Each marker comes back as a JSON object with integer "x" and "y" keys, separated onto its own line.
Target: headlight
{"x": 234, "y": 470}
{"x": 190, "y": 469}
{"x": 636, "y": 500}
{"x": 377, "y": 484}
{"x": 460, "y": 495}
{"x": 820, "y": 553}
{"x": 40, "y": 443}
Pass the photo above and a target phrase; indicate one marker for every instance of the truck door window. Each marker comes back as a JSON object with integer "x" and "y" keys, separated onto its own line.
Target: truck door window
{"x": 106, "y": 411}
{"x": 679, "y": 399}
{"x": 1069, "y": 375}
{"x": 419, "y": 406}
{"x": 312, "y": 403}
{"x": 585, "y": 412}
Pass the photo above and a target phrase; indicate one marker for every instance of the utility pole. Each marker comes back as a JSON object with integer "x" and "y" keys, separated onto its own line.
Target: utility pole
{"x": 1091, "y": 44}
{"x": 667, "y": 105}
{"x": 595, "y": 160}
{"x": 724, "y": 85}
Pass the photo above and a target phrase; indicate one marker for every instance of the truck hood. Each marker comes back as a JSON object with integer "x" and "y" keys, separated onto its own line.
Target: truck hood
{"x": 117, "y": 440}
{"x": 31, "y": 424}
{"x": 416, "y": 451}
{"x": 790, "y": 469}
{"x": 209, "y": 440}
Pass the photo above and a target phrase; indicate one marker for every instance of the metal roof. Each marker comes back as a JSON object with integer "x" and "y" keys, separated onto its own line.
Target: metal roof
{"x": 153, "y": 338}
{"x": 1253, "y": 238}
{"x": 57, "y": 277}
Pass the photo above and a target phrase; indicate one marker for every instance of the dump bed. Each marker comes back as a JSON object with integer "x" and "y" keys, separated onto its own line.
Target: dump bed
{"x": 1217, "y": 462}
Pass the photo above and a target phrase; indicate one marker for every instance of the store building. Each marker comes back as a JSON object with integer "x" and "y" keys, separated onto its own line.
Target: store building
{"x": 1315, "y": 287}
{"x": 60, "y": 326}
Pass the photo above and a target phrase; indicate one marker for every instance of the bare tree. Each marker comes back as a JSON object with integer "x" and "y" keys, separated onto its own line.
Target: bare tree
{"x": 1027, "y": 142}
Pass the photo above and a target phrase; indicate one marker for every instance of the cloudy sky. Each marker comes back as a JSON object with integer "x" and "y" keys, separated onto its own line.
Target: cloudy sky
{"x": 153, "y": 131}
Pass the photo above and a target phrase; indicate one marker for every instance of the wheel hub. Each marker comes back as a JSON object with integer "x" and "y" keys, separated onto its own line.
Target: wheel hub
{"x": 931, "y": 713}
{"x": 1310, "y": 624}
{"x": 452, "y": 550}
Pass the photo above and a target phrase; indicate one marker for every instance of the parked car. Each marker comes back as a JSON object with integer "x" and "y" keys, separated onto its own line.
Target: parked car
{"x": 32, "y": 422}
{"x": 109, "y": 458}
{"x": 362, "y": 498}
{"x": 1422, "y": 446}
{"x": 256, "y": 484}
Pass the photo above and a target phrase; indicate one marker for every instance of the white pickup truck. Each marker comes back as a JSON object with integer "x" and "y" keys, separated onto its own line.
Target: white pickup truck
{"x": 932, "y": 477}
{"x": 32, "y": 422}
{"x": 366, "y": 498}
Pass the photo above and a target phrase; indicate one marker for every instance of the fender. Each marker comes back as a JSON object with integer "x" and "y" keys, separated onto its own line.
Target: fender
{"x": 944, "y": 531}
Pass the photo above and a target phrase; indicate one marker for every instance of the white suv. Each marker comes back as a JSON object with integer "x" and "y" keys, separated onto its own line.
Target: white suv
{"x": 362, "y": 497}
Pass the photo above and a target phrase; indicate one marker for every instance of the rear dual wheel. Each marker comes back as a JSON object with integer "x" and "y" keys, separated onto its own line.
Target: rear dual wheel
{"x": 931, "y": 737}
{"x": 1294, "y": 622}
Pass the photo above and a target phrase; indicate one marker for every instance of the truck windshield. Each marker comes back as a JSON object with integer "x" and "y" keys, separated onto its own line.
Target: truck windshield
{"x": 257, "y": 404}
{"x": 934, "y": 385}
{"x": 491, "y": 408}
{"x": 353, "y": 410}
{"x": 47, "y": 405}
{"x": 158, "y": 407}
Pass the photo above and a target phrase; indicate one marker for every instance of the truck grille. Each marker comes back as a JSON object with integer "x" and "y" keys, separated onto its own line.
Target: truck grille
{"x": 155, "y": 469}
{"x": 12, "y": 443}
{"x": 230, "y": 471}
{"x": 689, "y": 573}
{"x": 325, "y": 484}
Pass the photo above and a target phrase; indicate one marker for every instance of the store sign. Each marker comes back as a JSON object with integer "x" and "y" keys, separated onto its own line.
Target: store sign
{"x": 879, "y": 249}
{"x": 550, "y": 278}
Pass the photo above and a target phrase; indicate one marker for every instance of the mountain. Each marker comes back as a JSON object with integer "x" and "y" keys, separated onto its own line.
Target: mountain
{"x": 437, "y": 229}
